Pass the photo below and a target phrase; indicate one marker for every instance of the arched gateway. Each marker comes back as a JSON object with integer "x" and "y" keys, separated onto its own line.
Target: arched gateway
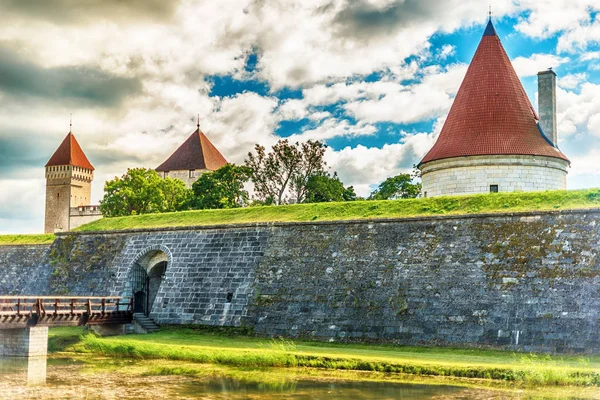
{"x": 146, "y": 275}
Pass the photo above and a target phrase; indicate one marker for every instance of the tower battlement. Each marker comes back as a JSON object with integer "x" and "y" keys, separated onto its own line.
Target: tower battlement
{"x": 69, "y": 176}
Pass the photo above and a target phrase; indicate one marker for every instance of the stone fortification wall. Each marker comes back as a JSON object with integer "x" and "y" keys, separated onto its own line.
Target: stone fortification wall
{"x": 471, "y": 175}
{"x": 522, "y": 281}
{"x": 23, "y": 270}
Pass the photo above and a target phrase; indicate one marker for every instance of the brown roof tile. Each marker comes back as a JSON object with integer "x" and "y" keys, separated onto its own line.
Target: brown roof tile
{"x": 70, "y": 153}
{"x": 197, "y": 152}
{"x": 491, "y": 114}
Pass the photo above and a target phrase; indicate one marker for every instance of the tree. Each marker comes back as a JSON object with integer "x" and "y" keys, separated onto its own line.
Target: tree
{"x": 175, "y": 195}
{"x": 396, "y": 187}
{"x": 323, "y": 188}
{"x": 223, "y": 188}
{"x": 142, "y": 191}
{"x": 286, "y": 169}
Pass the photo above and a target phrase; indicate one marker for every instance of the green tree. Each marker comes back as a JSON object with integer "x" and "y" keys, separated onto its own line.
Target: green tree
{"x": 285, "y": 170}
{"x": 323, "y": 188}
{"x": 175, "y": 195}
{"x": 397, "y": 187}
{"x": 142, "y": 191}
{"x": 223, "y": 188}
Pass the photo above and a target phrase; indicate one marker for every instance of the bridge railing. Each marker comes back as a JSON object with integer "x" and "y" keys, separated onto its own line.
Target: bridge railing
{"x": 65, "y": 310}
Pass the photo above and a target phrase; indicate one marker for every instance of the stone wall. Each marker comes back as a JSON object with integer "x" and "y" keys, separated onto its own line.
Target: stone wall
{"x": 23, "y": 270}
{"x": 24, "y": 342}
{"x": 83, "y": 215}
{"x": 471, "y": 175}
{"x": 528, "y": 281}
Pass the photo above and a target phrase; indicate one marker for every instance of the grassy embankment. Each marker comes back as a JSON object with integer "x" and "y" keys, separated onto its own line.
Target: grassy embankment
{"x": 200, "y": 347}
{"x": 452, "y": 205}
{"x": 9, "y": 240}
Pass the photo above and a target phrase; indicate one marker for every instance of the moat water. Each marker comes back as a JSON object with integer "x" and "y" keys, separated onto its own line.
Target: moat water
{"x": 67, "y": 378}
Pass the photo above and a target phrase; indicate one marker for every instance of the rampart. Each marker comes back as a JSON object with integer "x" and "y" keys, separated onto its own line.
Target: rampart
{"x": 526, "y": 281}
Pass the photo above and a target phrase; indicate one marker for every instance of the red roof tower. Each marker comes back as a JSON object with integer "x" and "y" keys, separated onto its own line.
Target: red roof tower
{"x": 491, "y": 114}
{"x": 197, "y": 152}
{"x": 70, "y": 153}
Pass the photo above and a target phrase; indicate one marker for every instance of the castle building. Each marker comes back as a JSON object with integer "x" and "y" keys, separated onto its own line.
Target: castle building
{"x": 493, "y": 140}
{"x": 69, "y": 176}
{"x": 194, "y": 157}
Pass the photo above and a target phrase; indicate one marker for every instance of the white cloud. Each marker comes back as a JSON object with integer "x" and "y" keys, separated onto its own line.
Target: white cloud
{"x": 424, "y": 101}
{"x": 22, "y": 205}
{"x": 446, "y": 51}
{"x": 548, "y": 17}
{"x": 530, "y": 66}
{"x": 333, "y": 127}
{"x": 365, "y": 167}
{"x": 577, "y": 112}
{"x": 572, "y": 81}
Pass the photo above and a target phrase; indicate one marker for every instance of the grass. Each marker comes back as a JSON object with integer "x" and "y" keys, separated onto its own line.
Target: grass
{"x": 451, "y": 205}
{"x": 8, "y": 240}
{"x": 186, "y": 345}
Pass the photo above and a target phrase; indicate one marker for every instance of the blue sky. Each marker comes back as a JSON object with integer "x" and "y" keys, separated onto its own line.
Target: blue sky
{"x": 374, "y": 79}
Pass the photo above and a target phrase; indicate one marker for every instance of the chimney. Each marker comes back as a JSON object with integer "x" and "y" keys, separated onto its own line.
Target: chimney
{"x": 547, "y": 104}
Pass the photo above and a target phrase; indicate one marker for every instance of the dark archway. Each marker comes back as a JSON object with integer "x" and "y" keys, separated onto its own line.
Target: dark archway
{"x": 147, "y": 274}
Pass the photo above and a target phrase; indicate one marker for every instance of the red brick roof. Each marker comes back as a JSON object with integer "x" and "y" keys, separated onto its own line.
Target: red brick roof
{"x": 197, "y": 152}
{"x": 491, "y": 114}
{"x": 70, "y": 153}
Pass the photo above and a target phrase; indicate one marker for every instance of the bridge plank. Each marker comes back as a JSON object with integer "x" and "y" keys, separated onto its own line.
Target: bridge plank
{"x": 20, "y": 311}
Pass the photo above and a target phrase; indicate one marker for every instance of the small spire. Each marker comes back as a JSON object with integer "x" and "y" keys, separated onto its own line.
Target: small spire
{"x": 490, "y": 12}
{"x": 70, "y": 122}
{"x": 198, "y": 122}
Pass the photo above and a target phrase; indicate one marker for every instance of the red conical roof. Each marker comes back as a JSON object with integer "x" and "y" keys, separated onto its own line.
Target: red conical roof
{"x": 197, "y": 152}
{"x": 491, "y": 114}
{"x": 70, "y": 153}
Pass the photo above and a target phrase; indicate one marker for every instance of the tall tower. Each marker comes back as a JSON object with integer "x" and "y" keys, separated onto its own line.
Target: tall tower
{"x": 547, "y": 104}
{"x": 69, "y": 176}
{"x": 491, "y": 140}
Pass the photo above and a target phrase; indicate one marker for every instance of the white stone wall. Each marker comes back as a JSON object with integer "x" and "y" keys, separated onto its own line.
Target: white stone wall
{"x": 475, "y": 174}
{"x": 189, "y": 177}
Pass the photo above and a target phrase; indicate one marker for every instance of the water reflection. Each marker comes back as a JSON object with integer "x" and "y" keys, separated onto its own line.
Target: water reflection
{"x": 308, "y": 390}
{"x": 23, "y": 370}
{"x": 106, "y": 378}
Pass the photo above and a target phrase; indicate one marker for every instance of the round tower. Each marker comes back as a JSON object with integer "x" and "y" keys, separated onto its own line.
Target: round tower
{"x": 491, "y": 140}
{"x": 69, "y": 176}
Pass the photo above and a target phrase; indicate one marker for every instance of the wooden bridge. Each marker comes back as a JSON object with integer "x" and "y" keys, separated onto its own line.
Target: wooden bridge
{"x": 30, "y": 311}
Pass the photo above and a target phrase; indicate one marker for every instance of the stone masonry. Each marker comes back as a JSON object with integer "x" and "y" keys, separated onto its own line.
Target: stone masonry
{"x": 24, "y": 342}
{"x": 471, "y": 175}
{"x": 524, "y": 281}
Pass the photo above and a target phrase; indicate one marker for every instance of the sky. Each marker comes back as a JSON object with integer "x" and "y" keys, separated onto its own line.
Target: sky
{"x": 374, "y": 79}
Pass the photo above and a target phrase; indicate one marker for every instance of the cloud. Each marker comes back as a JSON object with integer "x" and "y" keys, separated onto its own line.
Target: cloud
{"x": 365, "y": 167}
{"x": 578, "y": 113}
{"x": 83, "y": 85}
{"x": 530, "y": 66}
{"x": 84, "y": 11}
{"x": 388, "y": 102}
{"x": 572, "y": 81}
{"x": 22, "y": 205}
{"x": 330, "y": 128}
{"x": 547, "y": 17}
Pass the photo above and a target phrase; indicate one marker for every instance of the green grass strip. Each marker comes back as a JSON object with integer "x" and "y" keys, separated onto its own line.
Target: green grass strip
{"x": 452, "y": 205}
{"x": 9, "y": 240}
{"x": 251, "y": 353}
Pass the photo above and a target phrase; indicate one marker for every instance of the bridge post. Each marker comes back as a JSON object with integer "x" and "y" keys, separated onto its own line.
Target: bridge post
{"x": 24, "y": 342}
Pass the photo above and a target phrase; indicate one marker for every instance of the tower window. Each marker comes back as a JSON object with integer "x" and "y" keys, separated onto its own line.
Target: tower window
{"x": 192, "y": 173}
{"x": 493, "y": 188}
